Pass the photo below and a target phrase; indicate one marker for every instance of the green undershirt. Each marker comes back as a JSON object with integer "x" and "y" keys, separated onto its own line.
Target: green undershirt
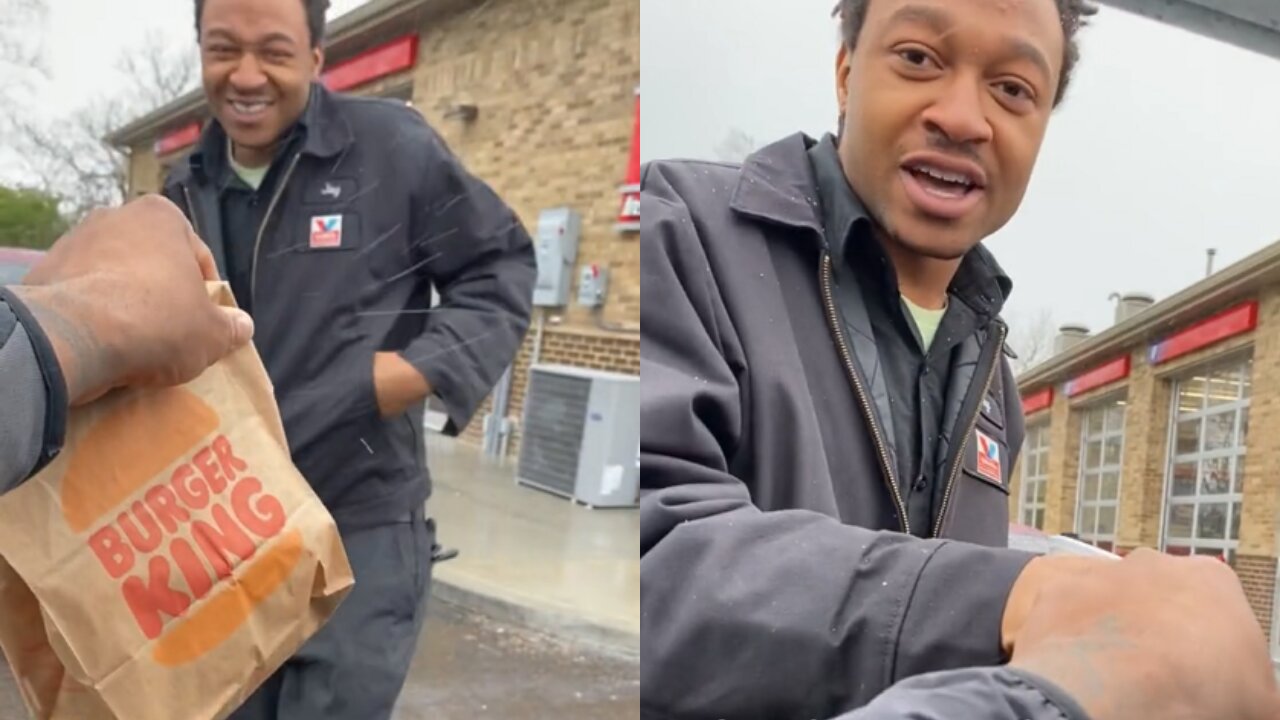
{"x": 252, "y": 177}
{"x": 927, "y": 321}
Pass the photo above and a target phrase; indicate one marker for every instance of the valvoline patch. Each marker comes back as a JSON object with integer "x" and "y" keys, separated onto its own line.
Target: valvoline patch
{"x": 989, "y": 459}
{"x": 326, "y": 231}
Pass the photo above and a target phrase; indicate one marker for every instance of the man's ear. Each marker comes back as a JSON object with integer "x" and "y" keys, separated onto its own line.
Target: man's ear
{"x": 317, "y": 54}
{"x": 843, "y": 58}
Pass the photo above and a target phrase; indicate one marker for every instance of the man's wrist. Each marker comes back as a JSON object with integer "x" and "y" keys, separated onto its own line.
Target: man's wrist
{"x": 1023, "y": 594}
{"x": 397, "y": 383}
{"x": 80, "y": 359}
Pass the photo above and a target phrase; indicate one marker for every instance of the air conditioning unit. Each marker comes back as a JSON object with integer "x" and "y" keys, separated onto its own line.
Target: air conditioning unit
{"x": 581, "y": 435}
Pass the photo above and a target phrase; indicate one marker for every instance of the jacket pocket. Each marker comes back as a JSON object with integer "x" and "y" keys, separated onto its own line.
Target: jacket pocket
{"x": 980, "y": 507}
{"x": 986, "y": 456}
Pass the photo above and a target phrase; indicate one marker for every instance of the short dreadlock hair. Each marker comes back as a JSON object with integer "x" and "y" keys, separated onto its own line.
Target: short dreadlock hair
{"x": 1073, "y": 13}
{"x": 316, "y": 10}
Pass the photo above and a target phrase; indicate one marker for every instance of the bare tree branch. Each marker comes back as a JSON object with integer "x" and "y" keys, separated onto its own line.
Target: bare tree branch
{"x": 22, "y": 59}
{"x": 1031, "y": 338}
{"x": 69, "y": 156}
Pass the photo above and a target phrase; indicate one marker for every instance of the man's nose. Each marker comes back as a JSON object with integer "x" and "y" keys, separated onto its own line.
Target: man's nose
{"x": 958, "y": 114}
{"x": 248, "y": 75}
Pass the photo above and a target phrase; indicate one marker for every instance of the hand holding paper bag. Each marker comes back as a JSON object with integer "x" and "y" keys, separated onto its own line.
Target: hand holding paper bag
{"x": 171, "y": 558}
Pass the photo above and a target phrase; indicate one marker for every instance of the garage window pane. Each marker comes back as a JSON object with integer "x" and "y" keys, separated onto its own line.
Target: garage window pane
{"x": 1188, "y": 437}
{"x": 1088, "y": 520}
{"x": 1180, "y": 519}
{"x": 1215, "y": 476}
{"x": 1110, "y": 489}
{"x": 1219, "y": 431}
{"x": 1191, "y": 395}
{"x": 1184, "y": 479}
{"x": 1107, "y": 520}
{"x": 1211, "y": 521}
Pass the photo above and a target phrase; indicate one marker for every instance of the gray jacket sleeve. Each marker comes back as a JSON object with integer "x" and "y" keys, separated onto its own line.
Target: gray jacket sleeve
{"x": 28, "y": 434}
{"x": 972, "y": 694}
{"x": 471, "y": 244}
{"x": 752, "y": 614}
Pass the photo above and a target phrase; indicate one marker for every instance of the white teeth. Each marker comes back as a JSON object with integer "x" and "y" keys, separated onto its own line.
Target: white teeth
{"x": 248, "y": 108}
{"x": 944, "y": 175}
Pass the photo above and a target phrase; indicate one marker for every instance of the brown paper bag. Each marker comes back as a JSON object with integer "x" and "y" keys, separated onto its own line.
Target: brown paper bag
{"x": 170, "y": 559}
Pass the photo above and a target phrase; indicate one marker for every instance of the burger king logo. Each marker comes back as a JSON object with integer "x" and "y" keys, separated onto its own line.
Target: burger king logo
{"x": 171, "y": 509}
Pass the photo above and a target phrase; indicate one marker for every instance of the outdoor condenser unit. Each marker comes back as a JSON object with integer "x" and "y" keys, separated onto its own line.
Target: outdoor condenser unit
{"x": 581, "y": 435}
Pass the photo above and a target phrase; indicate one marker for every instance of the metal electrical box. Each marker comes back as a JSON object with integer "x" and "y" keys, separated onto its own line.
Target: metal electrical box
{"x": 593, "y": 285}
{"x": 556, "y": 246}
{"x": 580, "y": 435}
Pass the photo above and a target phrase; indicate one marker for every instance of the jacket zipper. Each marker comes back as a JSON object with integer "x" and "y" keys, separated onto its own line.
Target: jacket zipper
{"x": 191, "y": 210}
{"x": 266, "y": 219}
{"x": 1001, "y": 331}
{"x": 833, "y": 319}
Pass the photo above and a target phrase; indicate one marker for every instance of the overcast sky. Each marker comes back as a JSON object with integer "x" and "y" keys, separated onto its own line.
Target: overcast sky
{"x": 1168, "y": 143}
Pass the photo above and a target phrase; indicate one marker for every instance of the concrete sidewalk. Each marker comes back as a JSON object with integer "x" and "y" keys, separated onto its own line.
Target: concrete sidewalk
{"x": 533, "y": 558}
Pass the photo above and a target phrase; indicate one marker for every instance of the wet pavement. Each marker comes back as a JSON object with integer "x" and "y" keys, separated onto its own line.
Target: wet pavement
{"x": 560, "y": 563}
{"x": 469, "y": 666}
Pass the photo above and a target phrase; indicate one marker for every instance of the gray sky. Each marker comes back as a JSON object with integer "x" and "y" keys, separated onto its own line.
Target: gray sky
{"x": 1167, "y": 144}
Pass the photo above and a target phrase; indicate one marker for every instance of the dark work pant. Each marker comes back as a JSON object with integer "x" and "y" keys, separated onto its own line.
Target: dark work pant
{"x": 355, "y": 666}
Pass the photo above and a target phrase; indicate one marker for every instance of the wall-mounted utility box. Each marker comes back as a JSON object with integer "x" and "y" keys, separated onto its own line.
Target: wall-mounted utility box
{"x": 593, "y": 285}
{"x": 556, "y": 246}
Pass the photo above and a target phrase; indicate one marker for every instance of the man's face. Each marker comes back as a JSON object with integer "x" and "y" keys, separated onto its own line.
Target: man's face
{"x": 946, "y": 104}
{"x": 257, "y": 67}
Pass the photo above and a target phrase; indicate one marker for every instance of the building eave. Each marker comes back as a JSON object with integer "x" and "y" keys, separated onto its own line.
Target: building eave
{"x": 341, "y": 32}
{"x": 1212, "y": 293}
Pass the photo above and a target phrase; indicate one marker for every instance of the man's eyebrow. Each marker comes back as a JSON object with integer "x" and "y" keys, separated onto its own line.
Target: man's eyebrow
{"x": 275, "y": 37}
{"x": 278, "y": 37}
{"x": 936, "y": 19}
{"x": 1024, "y": 50}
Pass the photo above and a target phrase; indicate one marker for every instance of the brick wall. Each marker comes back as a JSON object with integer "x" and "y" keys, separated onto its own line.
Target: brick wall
{"x": 1064, "y": 466}
{"x": 1262, "y": 455}
{"x": 554, "y": 82}
{"x": 1258, "y": 576}
{"x": 1143, "y": 466}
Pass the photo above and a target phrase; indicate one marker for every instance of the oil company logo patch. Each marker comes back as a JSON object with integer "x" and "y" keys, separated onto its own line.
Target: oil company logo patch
{"x": 326, "y": 231}
{"x": 989, "y": 459}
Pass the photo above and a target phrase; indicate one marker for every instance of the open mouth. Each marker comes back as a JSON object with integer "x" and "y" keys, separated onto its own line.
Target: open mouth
{"x": 943, "y": 187}
{"x": 943, "y": 183}
{"x": 248, "y": 109}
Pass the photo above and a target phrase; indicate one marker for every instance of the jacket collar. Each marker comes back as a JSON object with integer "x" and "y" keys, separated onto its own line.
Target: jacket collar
{"x": 324, "y": 129}
{"x": 777, "y": 184}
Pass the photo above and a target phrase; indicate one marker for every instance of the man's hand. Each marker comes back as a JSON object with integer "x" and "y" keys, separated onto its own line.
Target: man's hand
{"x": 398, "y": 384}
{"x": 1151, "y": 636}
{"x": 122, "y": 298}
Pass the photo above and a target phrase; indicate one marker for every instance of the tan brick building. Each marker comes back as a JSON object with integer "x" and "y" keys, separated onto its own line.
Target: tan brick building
{"x": 1140, "y": 435}
{"x": 538, "y": 97}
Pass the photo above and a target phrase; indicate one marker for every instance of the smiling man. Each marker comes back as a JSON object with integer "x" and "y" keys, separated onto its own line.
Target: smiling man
{"x": 333, "y": 217}
{"x": 826, "y": 402}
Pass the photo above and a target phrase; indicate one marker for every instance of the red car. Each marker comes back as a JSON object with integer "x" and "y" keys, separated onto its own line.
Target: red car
{"x": 15, "y": 262}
